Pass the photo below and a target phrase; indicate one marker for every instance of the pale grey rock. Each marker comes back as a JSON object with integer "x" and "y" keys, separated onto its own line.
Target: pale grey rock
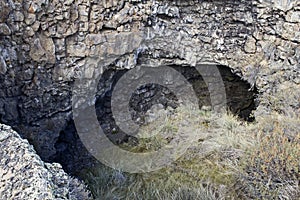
{"x": 3, "y": 66}
{"x": 250, "y": 45}
{"x": 18, "y": 16}
{"x": 48, "y": 47}
{"x": 25, "y": 176}
{"x": 37, "y": 51}
{"x": 95, "y": 39}
{"x": 4, "y": 29}
{"x": 30, "y": 19}
{"x": 283, "y": 5}
{"x": 43, "y": 49}
{"x": 293, "y": 16}
{"x": 290, "y": 31}
{"x": 29, "y": 32}
{"x": 36, "y": 25}
{"x": 78, "y": 50}
{"x": 5, "y": 10}
{"x": 118, "y": 44}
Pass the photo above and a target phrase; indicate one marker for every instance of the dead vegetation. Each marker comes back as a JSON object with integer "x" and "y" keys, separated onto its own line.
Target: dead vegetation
{"x": 227, "y": 159}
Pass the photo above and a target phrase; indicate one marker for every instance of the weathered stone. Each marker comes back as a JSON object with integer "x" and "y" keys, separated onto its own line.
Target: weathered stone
{"x": 78, "y": 50}
{"x": 83, "y": 26}
{"x": 284, "y": 5}
{"x": 250, "y": 45}
{"x": 5, "y": 10}
{"x": 37, "y": 50}
{"x": 95, "y": 39}
{"x": 108, "y": 4}
{"x": 20, "y": 166}
{"x": 4, "y": 29}
{"x": 290, "y": 31}
{"x": 33, "y": 8}
{"x": 122, "y": 16}
{"x": 43, "y": 49}
{"x": 118, "y": 44}
{"x": 30, "y": 19}
{"x": 89, "y": 71}
{"x": 3, "y": 66}
{"x": 29, "y": 32}
{"x": 18, "y": 16}
{"x": 36, "y": 26}
{"x": 293, "y": 16}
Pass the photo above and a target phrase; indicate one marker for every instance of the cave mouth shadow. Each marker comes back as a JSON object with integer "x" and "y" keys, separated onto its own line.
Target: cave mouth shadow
{"x": 70, "y": 150}
{"x": 240, "y": 97}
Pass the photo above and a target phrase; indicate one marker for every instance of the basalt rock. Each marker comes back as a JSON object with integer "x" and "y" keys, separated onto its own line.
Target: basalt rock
{"x": 25, "y": 176}
{"x": 46, "y": 45}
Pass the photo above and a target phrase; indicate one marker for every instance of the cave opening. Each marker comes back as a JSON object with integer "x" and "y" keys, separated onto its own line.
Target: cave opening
{"x": 70, "y": 150}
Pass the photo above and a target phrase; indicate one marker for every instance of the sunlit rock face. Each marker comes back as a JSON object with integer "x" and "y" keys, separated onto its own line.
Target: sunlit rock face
{"x": 46, "y": 45}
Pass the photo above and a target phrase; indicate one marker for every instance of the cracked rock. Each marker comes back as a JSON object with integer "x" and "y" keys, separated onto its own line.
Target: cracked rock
{"x": 20, "y": 166}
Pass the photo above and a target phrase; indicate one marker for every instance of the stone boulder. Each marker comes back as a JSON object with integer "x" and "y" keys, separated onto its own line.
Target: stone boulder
{"x": 25, "y": 176}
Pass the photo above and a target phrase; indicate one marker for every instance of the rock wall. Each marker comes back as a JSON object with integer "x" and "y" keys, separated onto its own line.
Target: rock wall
{"x": 45, "y": 45}
{"x": 25, "y": 176}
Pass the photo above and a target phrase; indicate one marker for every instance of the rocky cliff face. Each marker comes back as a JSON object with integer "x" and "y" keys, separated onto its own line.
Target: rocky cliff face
{"x": 46, "y": 45}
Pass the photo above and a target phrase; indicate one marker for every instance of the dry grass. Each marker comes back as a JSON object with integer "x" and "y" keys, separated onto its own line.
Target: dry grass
{"x": 271, "y": 170}
{"x": 229, "y": 159}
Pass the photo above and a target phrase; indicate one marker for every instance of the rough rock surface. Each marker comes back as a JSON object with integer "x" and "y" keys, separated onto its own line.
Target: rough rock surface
{"x": 25, "y": 176}
{"x": 46, "y": 45}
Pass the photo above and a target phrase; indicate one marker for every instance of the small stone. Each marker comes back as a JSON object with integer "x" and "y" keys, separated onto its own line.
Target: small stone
{"x": 108, "y": 4}
{"x": 4, "y": 135}
{"x": 36, "y": 51}
{"x": 33, "y": 8}
{"x": 283, "y": 5}
{"x": 189, "y": 20}
{"x": 36, "y": 25}
{"x": 3, "y": 66}
{"x": 49, "y": 47}
{"x": 30, "y": 19}
{"x": 74, "y": 15}
{"x": 18, "y": 16}
{"x": 43, "y": 49}
{"x": 290, "y": 31}
{"x": 89, "y": 71}
{"x": 5, "y": 10}
{"x": 293, "y": 16}
{"x": 29, "y": 32}
{"x": 92, "y": 27}
{"x": 173, "y": 11}
{"x": 250, "y": 45}
{"x": 4, "y": 29}
{"x": 68, "y": 2}
{"x": 78, "y": 50}
{"x": 44, "y": 25}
